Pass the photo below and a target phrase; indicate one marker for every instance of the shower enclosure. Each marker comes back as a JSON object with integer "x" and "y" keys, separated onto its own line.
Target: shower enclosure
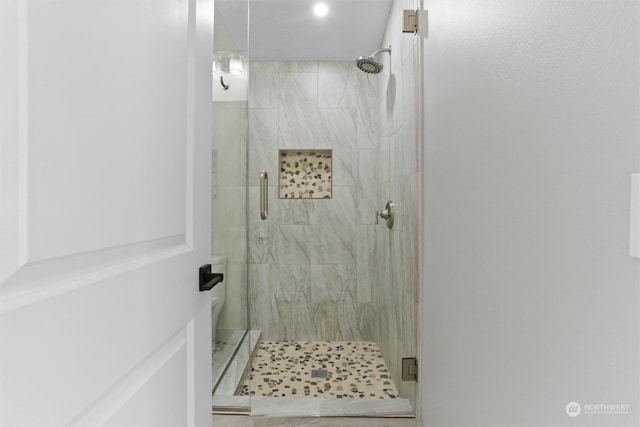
{"x": 323, "y": 294}
{"x": 232, "y": 339}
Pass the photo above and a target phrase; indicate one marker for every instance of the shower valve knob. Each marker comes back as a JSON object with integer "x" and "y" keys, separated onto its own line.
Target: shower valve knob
{"x": 386, "y": 214}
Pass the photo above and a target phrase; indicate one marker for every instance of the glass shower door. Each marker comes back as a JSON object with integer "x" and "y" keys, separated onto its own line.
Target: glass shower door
{"x": 333, "y": 290}
{"x": 229, "y": 205}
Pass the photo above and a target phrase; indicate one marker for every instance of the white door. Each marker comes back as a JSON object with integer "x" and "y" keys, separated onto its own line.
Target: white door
{"x": 105, "y": 128}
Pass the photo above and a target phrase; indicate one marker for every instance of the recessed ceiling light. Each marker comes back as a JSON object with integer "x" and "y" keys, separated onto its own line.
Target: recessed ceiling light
{"x": 320, "y": 9}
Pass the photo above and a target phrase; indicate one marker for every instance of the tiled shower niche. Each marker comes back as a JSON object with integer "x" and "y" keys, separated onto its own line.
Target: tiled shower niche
{"x": 305, "y": 174}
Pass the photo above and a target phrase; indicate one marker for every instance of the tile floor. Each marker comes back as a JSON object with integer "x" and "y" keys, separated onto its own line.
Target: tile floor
{"x": 353, "y": 369}
{"x": 244, "y": 421}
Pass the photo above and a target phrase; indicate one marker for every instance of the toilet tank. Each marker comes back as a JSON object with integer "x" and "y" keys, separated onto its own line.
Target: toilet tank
{"x": 219, "y": 265}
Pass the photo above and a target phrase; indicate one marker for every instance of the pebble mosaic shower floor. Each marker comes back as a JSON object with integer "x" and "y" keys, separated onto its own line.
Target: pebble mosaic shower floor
{"x": 353, "y": 369}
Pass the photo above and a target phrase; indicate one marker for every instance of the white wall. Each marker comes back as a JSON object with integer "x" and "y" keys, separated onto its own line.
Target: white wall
{"x": 531, "y": 133}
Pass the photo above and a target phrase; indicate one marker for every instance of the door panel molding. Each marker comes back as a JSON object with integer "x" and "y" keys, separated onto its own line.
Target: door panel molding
{"x": 108, "y": 405}
{"x": 36, "y": 282}
{"x": 23, "y": 134}
{"x": 113, "y": 128}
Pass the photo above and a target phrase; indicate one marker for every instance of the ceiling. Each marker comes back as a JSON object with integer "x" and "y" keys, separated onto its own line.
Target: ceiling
{"x": 288, "y": 30}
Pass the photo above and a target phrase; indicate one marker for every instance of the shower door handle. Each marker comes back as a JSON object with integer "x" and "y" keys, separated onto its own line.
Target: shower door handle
{"x": 264, "y": 195}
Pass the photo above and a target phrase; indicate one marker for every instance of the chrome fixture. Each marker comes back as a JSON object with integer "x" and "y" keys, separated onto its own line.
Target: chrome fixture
{"x": 410, "y": 21}
{"x": 387, "y": 214}
{"x": 409, "y": 369}
{"x": 264, "y": 195}
{"x": 371, "y": 64}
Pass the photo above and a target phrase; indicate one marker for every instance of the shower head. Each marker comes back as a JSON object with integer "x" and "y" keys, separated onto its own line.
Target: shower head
{"x": 371, "y": 64}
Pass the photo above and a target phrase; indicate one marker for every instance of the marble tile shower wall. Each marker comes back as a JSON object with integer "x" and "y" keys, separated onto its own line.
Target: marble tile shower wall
{"x": 395, "y": 293}
{"x": 310, "y": 263}
{"x": 229, "y": 207}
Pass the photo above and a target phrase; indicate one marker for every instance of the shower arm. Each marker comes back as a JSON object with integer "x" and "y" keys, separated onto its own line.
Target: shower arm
{"x": 382, "y": 49}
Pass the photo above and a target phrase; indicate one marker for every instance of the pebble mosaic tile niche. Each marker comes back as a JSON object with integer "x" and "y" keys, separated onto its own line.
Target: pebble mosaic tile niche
{"x": 305, "y": 174}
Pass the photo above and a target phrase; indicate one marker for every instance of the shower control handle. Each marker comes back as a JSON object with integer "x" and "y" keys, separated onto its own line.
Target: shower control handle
{"x": 386, "y": 214}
